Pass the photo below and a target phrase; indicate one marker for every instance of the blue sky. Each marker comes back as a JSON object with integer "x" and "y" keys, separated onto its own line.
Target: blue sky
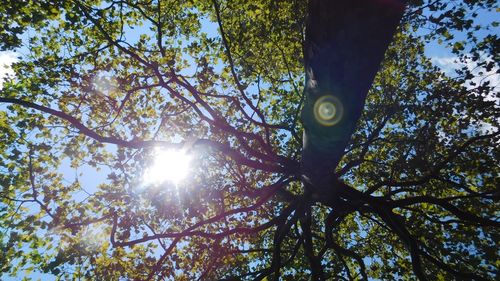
{"x": 89, "y": 177}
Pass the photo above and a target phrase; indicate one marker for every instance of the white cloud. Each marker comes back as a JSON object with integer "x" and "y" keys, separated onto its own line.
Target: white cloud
{"x": 449, "y": 64}
{"x": 6, "y": 60}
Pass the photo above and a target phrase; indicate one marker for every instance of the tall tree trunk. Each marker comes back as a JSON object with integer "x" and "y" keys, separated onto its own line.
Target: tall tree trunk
{"x": 344, "y": 46}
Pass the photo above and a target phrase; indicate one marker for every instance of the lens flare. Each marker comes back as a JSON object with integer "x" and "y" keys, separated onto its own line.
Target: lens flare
{"x": 328, "y": 110}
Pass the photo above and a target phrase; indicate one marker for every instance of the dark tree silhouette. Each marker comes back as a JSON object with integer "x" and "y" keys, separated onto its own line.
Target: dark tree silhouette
{"x": 326, "y": 144}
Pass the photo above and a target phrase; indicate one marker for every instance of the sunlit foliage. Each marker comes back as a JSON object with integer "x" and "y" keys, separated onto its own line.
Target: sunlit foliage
{"x": 101, "y": 84}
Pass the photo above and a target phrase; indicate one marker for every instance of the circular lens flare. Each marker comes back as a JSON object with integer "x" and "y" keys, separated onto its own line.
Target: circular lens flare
{"x": 328, "y": 110}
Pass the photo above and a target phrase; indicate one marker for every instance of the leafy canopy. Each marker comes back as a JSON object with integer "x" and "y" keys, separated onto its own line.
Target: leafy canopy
{"x": 101, "y": 84}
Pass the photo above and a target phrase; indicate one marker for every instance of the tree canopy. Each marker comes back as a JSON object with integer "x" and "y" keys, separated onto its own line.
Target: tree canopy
{"x": 100, "y": 86}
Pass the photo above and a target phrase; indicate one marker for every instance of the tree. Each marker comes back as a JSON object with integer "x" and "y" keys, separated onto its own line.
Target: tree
{"x": 104, "y": 83}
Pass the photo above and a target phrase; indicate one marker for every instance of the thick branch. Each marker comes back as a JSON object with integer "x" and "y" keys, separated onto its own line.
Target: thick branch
{"x": 224, "y": 148}
{"x": 345, "y": 44}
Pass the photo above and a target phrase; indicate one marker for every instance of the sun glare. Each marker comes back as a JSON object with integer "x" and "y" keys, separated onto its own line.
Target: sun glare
{"x": 168, "y": 165}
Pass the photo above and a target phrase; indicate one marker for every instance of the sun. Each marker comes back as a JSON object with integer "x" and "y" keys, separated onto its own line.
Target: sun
{"x": 168, "y": 165}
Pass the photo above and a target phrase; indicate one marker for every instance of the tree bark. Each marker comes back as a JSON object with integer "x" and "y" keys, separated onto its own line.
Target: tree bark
{"x": 344, "y": 46}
